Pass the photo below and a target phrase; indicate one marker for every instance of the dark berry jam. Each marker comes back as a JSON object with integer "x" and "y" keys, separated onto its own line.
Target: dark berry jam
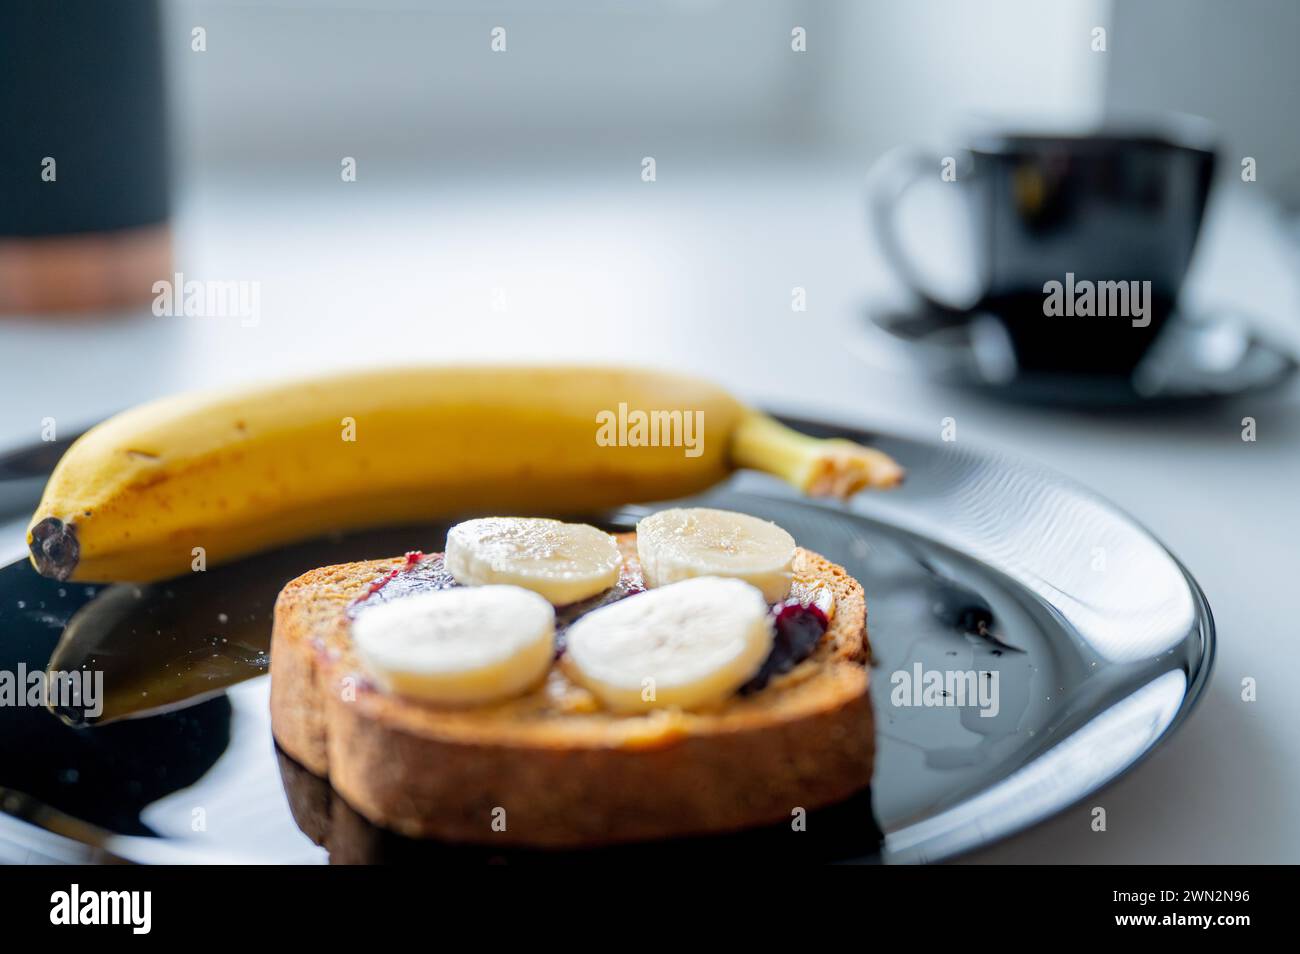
{"x": 630, "y": 582}
{"x": 797, "y": 629}
{"x": 416, "y": 574}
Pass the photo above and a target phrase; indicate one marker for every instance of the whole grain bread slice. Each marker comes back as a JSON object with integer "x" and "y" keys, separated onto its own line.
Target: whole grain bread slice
{"x": 552, "y": 768}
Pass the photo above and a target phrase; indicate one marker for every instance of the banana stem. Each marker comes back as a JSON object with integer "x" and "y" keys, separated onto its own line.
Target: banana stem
{"x": 820, "y": 467}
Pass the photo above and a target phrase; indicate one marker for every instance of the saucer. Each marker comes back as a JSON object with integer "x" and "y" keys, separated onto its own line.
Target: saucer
{"x": 1197, "y": 358}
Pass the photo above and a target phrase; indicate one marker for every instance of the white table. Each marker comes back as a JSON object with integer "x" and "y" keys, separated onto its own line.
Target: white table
{"x": 696, "y": 271}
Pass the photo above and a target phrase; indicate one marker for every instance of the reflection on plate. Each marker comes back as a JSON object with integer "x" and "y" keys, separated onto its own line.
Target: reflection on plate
{"x": 844, "y": 830}
{"x": 1099, "y": 640}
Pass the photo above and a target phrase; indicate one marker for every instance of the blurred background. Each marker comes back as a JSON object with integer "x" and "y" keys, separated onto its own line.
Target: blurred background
{"x": 502, "y": 206}
{"x": 503, "y": 188}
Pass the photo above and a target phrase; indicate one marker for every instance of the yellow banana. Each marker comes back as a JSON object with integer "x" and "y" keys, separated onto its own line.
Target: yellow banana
{"x": 233, "y": 473}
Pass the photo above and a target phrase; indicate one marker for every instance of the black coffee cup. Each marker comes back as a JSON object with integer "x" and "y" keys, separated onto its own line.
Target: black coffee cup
{"x": 1081, "y": 242}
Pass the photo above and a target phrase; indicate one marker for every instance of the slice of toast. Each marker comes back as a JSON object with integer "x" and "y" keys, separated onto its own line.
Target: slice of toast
{"x": 552, "y": 768}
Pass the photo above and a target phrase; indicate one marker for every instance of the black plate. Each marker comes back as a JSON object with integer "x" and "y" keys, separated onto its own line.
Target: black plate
{"x": 1100, "y": 642}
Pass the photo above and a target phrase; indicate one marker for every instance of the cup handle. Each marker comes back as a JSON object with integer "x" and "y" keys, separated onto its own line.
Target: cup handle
{"x": 891, "y": 178}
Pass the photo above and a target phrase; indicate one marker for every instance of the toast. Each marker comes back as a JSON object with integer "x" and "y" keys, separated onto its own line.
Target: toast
{"x": 552, "y": 768}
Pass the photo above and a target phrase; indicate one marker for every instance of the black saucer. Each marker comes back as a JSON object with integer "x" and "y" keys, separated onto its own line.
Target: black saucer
{"x": 1197, "y": 358}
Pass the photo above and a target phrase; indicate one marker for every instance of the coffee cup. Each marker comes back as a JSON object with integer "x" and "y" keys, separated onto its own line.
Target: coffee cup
{"x": 1080, "y": 242}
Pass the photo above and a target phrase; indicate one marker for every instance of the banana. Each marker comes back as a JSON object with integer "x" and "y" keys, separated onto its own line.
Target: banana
{"x": 564, "y": 562}
{"x": 681, "y": 543}
{"x": 458, "y": 647}
{"x": 192, "y": 481}
{"x": 688, "y": 645}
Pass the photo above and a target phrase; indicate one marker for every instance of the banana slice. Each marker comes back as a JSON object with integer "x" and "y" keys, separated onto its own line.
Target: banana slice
{"x": 689, "y": 645}
{"x": 686, "y": 542}
{"x": 564, "y": 562}
{"x": 459, "y": 646}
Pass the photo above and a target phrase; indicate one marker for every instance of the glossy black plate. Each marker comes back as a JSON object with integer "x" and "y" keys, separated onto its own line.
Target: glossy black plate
{"x": 980, "y": 570}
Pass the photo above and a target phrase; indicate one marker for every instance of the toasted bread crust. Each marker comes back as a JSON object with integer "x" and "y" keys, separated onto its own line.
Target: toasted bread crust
{"x": 568, "y": 778}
